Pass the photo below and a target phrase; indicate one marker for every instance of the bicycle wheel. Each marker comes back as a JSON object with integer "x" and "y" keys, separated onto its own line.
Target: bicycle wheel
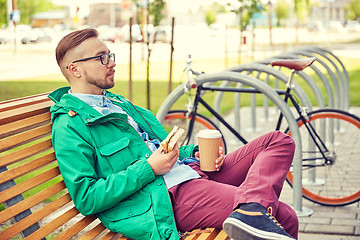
{"x": 179, "y": 118}
{"x": 331, "y": 181}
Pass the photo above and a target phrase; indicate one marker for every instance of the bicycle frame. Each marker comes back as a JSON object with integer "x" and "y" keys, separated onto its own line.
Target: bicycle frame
{"x": 199, "y": 100}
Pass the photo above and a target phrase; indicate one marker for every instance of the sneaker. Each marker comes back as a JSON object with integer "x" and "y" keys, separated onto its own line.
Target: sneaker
{"x": 253, "y": 222}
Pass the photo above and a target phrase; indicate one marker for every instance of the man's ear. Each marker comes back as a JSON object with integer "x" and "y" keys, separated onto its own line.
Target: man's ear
{"x": 74, "y": 70}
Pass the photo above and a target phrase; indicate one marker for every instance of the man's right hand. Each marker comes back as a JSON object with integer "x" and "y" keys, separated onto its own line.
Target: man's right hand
{"x": 162, "y": 163}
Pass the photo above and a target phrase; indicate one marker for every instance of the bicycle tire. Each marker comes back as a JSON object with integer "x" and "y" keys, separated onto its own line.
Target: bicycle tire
{"x": 179, "y": 118}
{"x": 338, "y": 185}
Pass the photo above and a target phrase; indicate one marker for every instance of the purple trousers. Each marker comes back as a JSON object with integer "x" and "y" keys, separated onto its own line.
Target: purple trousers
{"x": 253, "y": 173}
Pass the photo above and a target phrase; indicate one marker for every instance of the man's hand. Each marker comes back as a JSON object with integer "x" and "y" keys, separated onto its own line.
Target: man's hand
{"x": 162, "y": 163}
{"x": 219, "y": 161}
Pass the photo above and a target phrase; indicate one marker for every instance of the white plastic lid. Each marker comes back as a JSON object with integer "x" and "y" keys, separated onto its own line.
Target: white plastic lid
{"x": 209, "y": 133}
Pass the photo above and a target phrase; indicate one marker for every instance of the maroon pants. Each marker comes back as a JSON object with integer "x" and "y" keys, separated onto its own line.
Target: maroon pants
{"x": 253, "y": 173}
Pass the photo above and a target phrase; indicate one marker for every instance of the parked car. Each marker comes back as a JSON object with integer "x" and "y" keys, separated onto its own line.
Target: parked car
{"x": 162, "y": 34}
{"x": 352, "y": 26}
{"x": 4, "y": 36}
{"x": 135, "y": 33}
{"x": 336, "y": 26}
{"x": 108, "y": 33}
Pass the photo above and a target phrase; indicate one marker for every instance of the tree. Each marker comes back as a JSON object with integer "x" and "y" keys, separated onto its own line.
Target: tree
{"x": 245, "y": 9}
{"x": 27, "y": 8}
{"x": 353, "y": 10}
{"x": 210, "y": 16}
{"x": 156, "y": 11}
{"x": 281, "y": 11}
{"x": 3, "y": 16}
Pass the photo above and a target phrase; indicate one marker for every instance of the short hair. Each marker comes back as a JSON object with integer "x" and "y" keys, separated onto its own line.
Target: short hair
{"x": 73, "y": 40}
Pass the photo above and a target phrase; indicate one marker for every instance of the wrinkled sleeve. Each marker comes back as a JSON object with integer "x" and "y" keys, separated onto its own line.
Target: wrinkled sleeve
{"x": 76, "y": 157}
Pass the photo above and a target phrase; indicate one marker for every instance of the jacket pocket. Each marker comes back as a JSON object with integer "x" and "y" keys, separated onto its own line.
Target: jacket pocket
{"x": 132, "y": 217}
{"x": 117, "y": 153}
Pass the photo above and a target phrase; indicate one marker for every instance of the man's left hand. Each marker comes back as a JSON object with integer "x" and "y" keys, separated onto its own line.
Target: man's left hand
{"x": 219, "y": 161}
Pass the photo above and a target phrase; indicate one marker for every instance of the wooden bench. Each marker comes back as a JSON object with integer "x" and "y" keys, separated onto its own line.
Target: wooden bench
{"x": 32, "y": 191}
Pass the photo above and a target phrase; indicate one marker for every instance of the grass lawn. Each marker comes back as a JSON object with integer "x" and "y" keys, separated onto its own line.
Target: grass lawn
{"x": 159, "y": 83}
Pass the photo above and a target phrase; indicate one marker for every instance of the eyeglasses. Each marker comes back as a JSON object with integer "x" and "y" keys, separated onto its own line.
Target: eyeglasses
{"x": 104, "y": 58}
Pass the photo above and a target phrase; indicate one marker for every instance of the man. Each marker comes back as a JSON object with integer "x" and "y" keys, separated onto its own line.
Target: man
{"x": 113, "y": 165}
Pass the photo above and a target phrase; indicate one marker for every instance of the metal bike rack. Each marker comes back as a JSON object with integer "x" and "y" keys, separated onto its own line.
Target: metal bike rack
{"x": 343, "y": 80}
{"x": 344, "y": 71}
{"x": 324, "y": 80}
{"x": 277, "y": 100}
{"x": 318, "y": 95}
{"x": 260, "y": 68}
{"x": 338, "y": 100}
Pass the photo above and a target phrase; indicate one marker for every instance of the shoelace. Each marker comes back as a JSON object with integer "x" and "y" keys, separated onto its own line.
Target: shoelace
{"x": 269, "y": 214}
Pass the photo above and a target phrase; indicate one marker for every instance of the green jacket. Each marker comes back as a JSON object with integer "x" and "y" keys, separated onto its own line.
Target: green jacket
{"x": 103, "y": 161}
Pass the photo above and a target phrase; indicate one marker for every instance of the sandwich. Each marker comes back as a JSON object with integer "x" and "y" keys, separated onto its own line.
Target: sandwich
{"x": 171, "y": 139}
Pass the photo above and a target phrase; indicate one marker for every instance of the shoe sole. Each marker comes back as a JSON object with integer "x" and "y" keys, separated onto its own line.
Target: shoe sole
{"x": 238, "y": 230}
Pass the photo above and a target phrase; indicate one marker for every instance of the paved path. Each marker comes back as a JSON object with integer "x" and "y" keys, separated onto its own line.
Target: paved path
{"x": 330, "y": 223}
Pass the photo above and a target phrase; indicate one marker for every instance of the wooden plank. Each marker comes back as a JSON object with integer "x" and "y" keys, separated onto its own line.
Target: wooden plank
{"x": 109, "y": 236}
{"x": 35, "y": 217}
{"x": 16, "y": 127}
{"x": 26, "y": 152}
{"x": 22, "y": 103}
{"x": 29, "y": 184}
{"x": 222, "y": 236}
{"x": 25, "y": 137}
{"x": 77, "y": 227}
{"x": 53, "y": 225}
{"x": 31, "y": 201}
{"x": 27, "y": 167}
{"x": 93, "y": 232}
{"x": 209, "y": 236}
{"x": 27, "y": 99}
{"x": 24, "y": 112}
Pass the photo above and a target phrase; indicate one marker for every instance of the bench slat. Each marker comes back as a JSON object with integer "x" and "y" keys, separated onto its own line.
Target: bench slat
{"x": 93, "y": 232}
{"x": 109, "y": 236}
{"x": 24, "y": 112}
{"x": 34, "y": 218}
{"x": 23, "y": 103}
{"x": 76, "y": 228}
{"x": 16, "y": 140}
{"x": 23, "y": 100}
{"x": 26, "y": 167}
{"x": 222, "y": 236}
{"x": 54, "y": 224}
{"x": 29, "y": 184}
{"x": 31, "y": 201}
{"x": 26, "y": 152}
{"x": 16, "y": 127}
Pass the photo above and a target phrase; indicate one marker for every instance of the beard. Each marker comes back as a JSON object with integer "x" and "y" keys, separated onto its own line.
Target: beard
{"x": 105, "y": 83}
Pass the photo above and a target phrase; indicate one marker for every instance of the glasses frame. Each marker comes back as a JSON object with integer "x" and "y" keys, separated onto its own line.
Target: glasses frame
{"x": 99, "y": 56}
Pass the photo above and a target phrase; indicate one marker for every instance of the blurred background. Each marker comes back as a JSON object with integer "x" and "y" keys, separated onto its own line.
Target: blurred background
{"x": 217, "y": 33}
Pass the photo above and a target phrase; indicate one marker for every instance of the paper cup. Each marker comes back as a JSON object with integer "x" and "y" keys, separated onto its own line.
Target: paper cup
{"x": 209, "y": 143}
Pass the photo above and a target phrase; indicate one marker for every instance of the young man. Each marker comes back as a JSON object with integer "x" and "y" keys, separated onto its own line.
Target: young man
{"x": 113, "y": 165}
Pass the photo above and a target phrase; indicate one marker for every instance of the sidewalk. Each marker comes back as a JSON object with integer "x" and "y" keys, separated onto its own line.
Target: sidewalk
{"x": 326, "y": 223}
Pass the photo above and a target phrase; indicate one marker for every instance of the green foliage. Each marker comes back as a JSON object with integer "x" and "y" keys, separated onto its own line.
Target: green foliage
{"x": 282, "y": 11}
{"x": 3, "y": 16}
{"x": 210, "y": 16}
{"x": 353, "y": 10}
{"x": 27, "y": 8}
{"x": 302, "y": 9}
{"x": 246, "y": 9}
{"x": 156, "y": 11}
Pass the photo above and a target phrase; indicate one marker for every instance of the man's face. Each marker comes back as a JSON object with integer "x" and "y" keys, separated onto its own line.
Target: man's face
{"x": 95, "y": 75}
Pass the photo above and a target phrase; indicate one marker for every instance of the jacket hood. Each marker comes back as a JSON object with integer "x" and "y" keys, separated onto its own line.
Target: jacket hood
{"x": 68, "y": 104}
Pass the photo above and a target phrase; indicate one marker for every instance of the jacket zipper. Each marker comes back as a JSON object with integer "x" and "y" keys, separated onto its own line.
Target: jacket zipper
{"x": 168, "y": 194}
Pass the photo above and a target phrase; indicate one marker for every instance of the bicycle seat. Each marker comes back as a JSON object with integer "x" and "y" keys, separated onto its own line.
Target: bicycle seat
{"x": 295, "y": 64}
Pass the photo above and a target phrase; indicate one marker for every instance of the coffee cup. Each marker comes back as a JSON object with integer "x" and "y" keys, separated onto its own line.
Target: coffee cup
{"x": 209, "y": 143}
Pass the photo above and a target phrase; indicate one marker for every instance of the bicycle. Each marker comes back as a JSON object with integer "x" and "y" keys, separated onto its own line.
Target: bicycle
{"x": 328, "y": 137}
